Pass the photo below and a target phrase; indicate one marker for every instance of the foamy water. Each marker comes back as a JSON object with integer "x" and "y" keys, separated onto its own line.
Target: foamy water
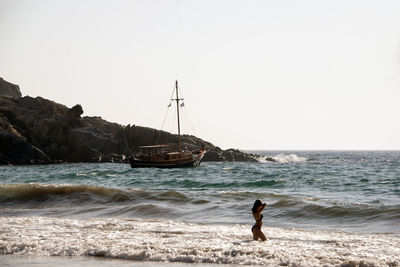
{"x": 173, "y": 241}
{"x": 283, "y": 158}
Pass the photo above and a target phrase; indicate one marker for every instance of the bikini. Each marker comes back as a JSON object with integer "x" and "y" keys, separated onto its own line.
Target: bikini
{"x": 257, "y": 221}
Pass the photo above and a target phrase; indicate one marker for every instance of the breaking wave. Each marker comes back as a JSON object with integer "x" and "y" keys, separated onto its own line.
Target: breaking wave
{"x": 285, "y": 158}
{"x": 11, "y": 193}
{"x": 172, "y": 241}
{"x": 96, "y": 201}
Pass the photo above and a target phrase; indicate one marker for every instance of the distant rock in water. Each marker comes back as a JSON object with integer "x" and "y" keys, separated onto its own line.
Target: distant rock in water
{"x": 270, "y": 159}
{"x": 40, "y": 131}
{"x": 217, "y": 154}
{"x": 9, "y": 89}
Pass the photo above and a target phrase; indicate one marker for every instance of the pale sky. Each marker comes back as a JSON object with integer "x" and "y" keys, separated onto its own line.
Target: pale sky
{"x": 281, "y": 74}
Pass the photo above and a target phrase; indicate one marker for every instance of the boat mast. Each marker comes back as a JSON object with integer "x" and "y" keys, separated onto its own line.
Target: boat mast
{"x": 177, "y": 112}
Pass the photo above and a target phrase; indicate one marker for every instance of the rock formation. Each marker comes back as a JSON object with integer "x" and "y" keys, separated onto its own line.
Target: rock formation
{"x": 39, "y": 131}
{"x": 9, "y": 89}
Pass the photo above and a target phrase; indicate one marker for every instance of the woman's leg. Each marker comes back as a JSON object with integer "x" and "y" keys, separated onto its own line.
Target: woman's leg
{"x": 258, "y": 234}
{"x": 255, "y": 236}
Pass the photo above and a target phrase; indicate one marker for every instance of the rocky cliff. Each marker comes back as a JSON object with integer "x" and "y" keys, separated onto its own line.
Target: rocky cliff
{"x": 39, "y": 131}
{"x": 9, "y": 89}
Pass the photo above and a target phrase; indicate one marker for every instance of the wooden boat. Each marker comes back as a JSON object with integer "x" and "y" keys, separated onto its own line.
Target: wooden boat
{"x": 168, "y": 155}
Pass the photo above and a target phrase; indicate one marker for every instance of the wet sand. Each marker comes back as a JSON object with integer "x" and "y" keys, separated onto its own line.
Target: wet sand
{"x": 42, "y": 261}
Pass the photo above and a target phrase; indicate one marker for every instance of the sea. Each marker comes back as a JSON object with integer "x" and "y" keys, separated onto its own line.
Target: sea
{"x": 324, "y": 208}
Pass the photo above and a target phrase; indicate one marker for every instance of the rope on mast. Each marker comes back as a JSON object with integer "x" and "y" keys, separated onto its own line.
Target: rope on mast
{"x": 169, "y": 105}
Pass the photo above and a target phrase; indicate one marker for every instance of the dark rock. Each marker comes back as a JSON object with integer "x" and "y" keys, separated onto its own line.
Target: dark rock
{"x": 77, "y": 110}
{"x": 63, "y": 152}
{"x": 237, "y": 155}
{"x": 74, "y": 115}
{"x": 114, "y": 157}
{"x": 85, "y": 154}
{"x": 213, "y": 156}
{"x": 8, "y": 89}
{"x": 52, "y": 150}
{"x": 14, "y": 148}
{"x": 218, "y": 154}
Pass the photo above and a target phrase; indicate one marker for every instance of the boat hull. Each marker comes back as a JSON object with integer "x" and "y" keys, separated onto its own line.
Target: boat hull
{"x": 137, "y": 163}
{"x": 192, "y": 162}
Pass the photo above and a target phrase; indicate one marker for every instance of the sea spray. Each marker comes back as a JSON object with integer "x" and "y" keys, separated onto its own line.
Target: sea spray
{"x": 282, "y": 158}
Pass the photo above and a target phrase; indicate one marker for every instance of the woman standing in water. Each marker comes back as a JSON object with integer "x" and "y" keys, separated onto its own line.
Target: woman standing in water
{"x": 256, "y": 229}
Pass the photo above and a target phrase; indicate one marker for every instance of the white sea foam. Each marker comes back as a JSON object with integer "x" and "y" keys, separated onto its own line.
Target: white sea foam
{"x": 284, "y": 158}
{"x": 171, "y": 241}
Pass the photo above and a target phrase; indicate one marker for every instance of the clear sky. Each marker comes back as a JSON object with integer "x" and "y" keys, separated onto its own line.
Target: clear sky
{"x": 309, "y": 74}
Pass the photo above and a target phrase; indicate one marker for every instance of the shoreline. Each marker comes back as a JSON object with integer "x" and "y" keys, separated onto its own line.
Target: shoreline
{"x": 91, "y": 261}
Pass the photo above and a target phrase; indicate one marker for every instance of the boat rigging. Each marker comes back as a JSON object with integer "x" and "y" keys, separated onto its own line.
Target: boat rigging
{"x": 167, "y": 155}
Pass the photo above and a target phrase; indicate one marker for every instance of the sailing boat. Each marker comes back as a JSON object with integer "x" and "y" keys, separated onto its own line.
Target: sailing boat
{"x": 168, "y": 155}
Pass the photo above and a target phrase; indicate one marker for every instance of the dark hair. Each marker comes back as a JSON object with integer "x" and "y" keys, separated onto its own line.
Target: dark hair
{"x": 257, "y": 204}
